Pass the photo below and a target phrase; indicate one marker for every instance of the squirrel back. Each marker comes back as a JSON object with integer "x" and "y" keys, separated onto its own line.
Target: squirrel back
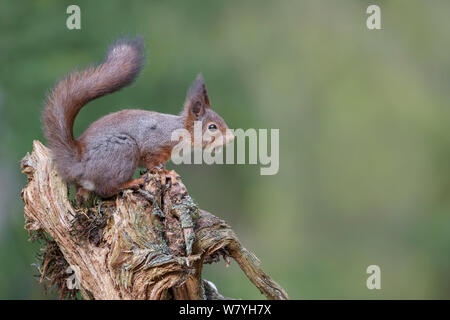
{"x": 122, "y": 64}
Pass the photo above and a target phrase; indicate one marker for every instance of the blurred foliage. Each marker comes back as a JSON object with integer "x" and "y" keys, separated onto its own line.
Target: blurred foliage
{"x": 363, "y": 118}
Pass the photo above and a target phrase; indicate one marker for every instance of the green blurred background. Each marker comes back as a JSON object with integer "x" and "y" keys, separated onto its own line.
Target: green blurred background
{"x": 363, "y": 118}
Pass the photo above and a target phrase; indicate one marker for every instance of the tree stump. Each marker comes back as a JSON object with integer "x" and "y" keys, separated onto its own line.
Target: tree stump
{"x": 149, "y": 243}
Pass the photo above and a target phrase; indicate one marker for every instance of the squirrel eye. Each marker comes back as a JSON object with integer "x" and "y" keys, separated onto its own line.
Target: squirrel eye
{"x": 212, "y": 127}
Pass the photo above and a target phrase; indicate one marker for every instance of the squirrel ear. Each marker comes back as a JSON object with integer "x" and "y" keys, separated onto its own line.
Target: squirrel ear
{"x": 197, "y": 99}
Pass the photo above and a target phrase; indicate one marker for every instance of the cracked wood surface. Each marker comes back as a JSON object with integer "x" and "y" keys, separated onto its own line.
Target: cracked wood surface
{"x": 153, "y": 246}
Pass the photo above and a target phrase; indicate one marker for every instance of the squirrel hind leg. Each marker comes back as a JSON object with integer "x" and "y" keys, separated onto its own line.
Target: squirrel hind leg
{"x": 109, "y": 162}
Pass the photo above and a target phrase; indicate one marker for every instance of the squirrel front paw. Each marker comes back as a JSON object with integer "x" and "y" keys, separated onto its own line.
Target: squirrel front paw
{"x": 159, "y": 167}
{"x": 133, "y": 184}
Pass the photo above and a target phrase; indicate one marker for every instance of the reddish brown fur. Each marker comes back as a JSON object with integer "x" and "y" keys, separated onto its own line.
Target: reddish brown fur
{"x": 107, "y": 154}
{"x": 78, "y": 88}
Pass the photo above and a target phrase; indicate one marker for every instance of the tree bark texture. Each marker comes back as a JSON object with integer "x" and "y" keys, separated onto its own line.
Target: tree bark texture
{"x": 148, "y": 243}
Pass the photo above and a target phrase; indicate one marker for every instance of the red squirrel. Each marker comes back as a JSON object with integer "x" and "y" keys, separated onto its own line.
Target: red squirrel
{"x": 105, "y": 157}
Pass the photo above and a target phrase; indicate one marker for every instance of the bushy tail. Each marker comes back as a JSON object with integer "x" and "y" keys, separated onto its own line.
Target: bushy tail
{"x": 122, "y": 64}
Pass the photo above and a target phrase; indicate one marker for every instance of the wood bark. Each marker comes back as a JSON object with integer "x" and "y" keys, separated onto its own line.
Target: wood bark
{"x": 152, "y": 244}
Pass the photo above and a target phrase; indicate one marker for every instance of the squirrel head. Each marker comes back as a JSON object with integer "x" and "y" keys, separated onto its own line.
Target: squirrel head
{"x": 197, "y": 107}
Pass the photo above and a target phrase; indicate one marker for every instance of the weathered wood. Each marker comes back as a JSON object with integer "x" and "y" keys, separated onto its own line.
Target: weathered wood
{"x": 149, "y": 243}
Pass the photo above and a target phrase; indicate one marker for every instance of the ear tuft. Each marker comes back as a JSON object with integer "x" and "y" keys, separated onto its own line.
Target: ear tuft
{"x": 198, "y": 91}
{"x": 197, "y": 99}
